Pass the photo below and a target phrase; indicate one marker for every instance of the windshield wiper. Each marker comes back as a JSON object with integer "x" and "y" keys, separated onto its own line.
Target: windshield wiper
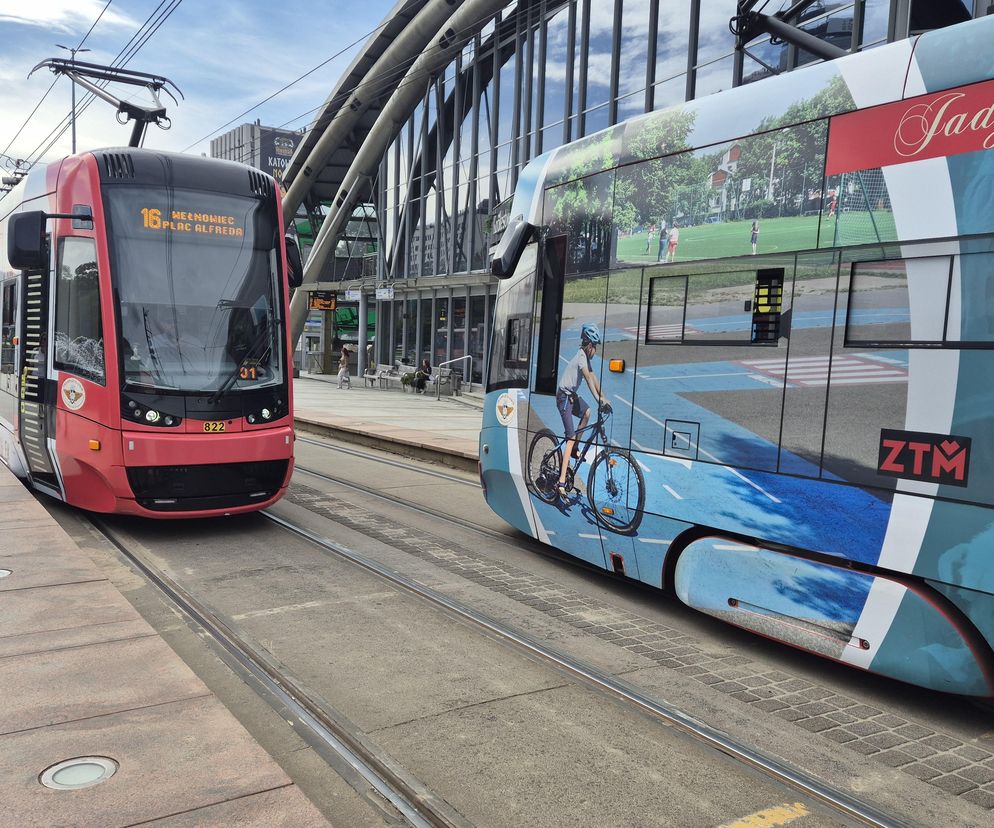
{"x": 156, "y": 364}
{"x": 232, "y": 378}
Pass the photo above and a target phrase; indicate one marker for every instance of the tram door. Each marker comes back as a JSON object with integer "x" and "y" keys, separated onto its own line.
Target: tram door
{"x": 571, "y": 296}
{"x": 617, "y": 380}
{"x": 36, "y": 390}
{"x": 8, "y": 354}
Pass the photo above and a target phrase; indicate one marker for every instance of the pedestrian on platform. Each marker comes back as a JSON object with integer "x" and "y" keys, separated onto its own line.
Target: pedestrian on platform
{"x": 422, "y": 376}
{"x": 344, "y": 380}
{"x": 369, "y": 353}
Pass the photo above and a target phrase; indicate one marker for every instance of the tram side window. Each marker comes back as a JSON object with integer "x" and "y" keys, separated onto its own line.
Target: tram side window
{"x": 79, "y": 345}
{"x": 511, "y": 348}
{"x": 898, "y": 302}
{"x": 716, "y": 308}
{"x": 972, "y": 320}
{"x": 8, "y": 328}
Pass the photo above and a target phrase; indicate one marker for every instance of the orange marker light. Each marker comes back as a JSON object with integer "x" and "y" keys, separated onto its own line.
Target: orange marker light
{"x": 94, "y": 445}
{"x": 617, "y": 365}
{"x": 607, "y": 510}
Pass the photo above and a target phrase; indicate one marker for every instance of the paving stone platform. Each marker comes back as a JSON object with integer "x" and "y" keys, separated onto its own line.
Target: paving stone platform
{"x": 82, "y": 674}
{"x": 959, "y": 767}
{"x": 414, "y": 424}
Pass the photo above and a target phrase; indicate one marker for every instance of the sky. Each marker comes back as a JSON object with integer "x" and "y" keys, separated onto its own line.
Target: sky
{"x": 224, "y": 56}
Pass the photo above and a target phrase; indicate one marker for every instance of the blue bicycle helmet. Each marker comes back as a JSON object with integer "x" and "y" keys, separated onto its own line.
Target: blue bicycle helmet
{"x": 590, "y": 334}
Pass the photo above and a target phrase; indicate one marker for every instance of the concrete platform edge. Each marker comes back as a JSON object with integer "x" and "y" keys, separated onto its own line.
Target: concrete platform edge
{"x": 415, "y": 449}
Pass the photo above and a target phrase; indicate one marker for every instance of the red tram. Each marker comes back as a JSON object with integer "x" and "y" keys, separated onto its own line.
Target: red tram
{"x": 144, "y": 363}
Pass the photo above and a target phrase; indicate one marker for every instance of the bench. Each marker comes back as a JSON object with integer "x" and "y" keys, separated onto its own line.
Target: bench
{"x": 391, "y": 375}
{"x": 387, "y": 375}
{"x": 446, "y": 378}
{"x": 372, "y": 375}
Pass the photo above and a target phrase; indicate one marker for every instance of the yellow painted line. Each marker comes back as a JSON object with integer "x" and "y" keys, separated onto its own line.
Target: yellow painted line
{"x": 780, "y": 815}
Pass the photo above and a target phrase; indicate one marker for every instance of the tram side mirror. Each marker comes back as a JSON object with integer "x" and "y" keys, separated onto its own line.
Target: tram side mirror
{"x": 512, "y": 245}
{"x": 26, "y": 241}
{"x": 295, "y": 265}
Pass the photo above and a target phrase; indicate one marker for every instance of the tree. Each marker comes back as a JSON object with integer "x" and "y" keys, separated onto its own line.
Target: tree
{"x": 643, "y": 191}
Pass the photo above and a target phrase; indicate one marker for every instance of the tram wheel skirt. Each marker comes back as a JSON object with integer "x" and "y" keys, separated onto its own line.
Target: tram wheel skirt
{"x": 896, "y": 629}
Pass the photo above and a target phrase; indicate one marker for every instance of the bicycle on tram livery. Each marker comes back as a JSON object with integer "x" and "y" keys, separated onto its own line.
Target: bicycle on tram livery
{"x": 144, "y": 356}
{"x": 784, "y": 414}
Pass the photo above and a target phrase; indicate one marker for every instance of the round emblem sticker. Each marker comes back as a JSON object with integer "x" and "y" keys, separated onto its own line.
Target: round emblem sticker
{"x": 73, "y": 394}
{"x": 505, "y": 409}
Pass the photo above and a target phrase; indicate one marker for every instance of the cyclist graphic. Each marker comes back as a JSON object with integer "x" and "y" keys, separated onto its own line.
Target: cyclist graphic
{"x": 568, "y": 400}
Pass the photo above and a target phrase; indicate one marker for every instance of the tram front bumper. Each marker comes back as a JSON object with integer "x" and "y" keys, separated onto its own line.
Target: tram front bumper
{"x": 192, "y": 475}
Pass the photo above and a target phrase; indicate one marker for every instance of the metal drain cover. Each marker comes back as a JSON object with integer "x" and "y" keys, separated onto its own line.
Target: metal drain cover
{"x": 81, "y": 772}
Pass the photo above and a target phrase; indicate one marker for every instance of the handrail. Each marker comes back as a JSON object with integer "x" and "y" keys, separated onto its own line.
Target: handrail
{"x": 438, "y": 379}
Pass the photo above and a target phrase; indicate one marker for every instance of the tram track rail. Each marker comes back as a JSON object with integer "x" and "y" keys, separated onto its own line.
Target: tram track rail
{"x": 415, "y": 804}
{"x": 415, "y": 507}
{"x": 606, "y": 684}
{"x": 516, "y": 538}
{"x": 387, "y": 461}
{"x": 408, "y": 799}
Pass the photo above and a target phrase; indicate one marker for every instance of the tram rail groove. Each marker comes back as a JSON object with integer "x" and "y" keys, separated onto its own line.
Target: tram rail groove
{"x": 519, "y": 538}
{"x": 416, "y": 507}
{"x": 590, "y": 676}
{"x": 418, "y": 806}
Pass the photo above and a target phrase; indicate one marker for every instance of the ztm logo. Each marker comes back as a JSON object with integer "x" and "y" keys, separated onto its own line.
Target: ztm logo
{"x": 917, "y": 455}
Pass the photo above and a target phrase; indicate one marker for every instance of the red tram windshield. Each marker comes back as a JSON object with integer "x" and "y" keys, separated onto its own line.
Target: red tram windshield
{"x": 197, "y": 280}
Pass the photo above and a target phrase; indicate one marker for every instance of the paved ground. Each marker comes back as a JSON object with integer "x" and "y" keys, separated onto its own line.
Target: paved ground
{"x": 505, "y": 741}
{"x": 82, "y": 674}
{"x": 956, "y": 757}
{"x": 443, "y": 430}
{"x": 884, "y": 737}
{"x": 501, "y": 738}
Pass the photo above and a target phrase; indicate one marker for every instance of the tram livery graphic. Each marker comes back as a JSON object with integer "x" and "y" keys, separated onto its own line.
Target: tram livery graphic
{"x": 143, "y": 362}
{"x": 743, "y": 352}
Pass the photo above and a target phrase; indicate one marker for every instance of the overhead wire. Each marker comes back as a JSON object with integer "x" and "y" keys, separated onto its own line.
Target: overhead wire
{"x": 54, "y": 81}
{"x": 94, "y": 24}
{"x": 152, "y": 24}
{"x": 310, "y": 71}
{"x": 381, "y": 84}
{"x": 370, "y": 88}
{"x": 141, "y": 37}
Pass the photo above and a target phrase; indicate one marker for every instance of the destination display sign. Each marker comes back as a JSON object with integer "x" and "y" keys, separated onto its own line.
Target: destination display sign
{"x": 323, "y": 300}
{"x": 182, "y": 221}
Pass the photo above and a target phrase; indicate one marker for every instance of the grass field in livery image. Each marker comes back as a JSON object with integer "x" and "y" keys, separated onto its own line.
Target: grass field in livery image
{"x": 721, "y": 239}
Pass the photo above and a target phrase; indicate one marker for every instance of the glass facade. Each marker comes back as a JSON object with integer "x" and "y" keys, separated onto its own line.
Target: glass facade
{"x": 544, "y": 73}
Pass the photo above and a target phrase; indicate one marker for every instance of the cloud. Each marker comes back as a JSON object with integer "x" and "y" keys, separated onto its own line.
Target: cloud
{"x": 225, "y": 59}
{"x": 69, "y": 16}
